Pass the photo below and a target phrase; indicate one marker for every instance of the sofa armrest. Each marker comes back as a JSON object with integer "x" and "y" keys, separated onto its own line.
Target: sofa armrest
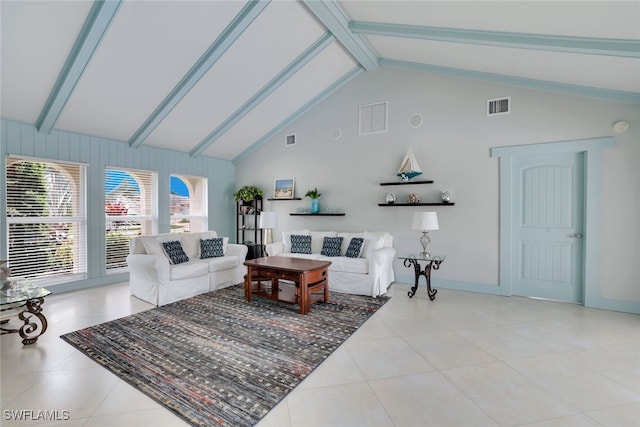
{"x": 238, "y": 250}
{"x": 275, "y": 248}
{"x": 381, "y": 259}
{"x": 149, "y": 267}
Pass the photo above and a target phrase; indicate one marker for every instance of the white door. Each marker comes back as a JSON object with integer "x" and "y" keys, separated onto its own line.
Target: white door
{"x": 547, "y": 223}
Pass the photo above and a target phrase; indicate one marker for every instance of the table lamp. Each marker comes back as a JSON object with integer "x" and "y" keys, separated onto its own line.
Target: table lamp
{"x": 425, "y": 221}
{"x": 268, "y": 220}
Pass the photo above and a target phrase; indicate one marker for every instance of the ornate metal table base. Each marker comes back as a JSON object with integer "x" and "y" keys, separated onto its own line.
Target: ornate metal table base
{"x": 35, "y": 324}
{"x": 431, "y": 264}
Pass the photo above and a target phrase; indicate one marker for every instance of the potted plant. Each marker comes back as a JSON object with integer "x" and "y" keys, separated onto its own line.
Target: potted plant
{"x": 314, "y": 195}
{"x": 247, "y": 193}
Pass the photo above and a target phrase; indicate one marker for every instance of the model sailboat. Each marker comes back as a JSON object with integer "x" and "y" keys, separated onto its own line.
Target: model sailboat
{"x": 409, "y": 167}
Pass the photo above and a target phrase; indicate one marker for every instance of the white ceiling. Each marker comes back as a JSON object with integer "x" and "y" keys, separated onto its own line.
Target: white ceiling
{"x": 218, "y": 78}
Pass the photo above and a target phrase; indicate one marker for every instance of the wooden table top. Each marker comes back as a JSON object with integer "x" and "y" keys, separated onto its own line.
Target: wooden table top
{"x": 297, "y": 265}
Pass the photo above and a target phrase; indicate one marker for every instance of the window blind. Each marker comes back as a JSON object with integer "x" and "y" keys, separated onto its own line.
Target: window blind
{"x": 188, "y": 204}
{"x": 46, "y": 220}
{"x": 130, "y": 210}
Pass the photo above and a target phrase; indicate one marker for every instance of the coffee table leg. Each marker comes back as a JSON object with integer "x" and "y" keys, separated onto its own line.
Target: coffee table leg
{"x": 304, "y": 302}
{"x": 35, "y": 324}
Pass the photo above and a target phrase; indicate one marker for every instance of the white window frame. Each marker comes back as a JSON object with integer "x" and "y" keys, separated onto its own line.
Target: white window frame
{"x": 197, "y": 216}
{"x": 147, "y": 222}
{"x": 77, "y": 223}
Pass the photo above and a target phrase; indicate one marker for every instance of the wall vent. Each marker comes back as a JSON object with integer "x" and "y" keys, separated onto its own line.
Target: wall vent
{"x": 496, "y": 107}
{"x": 290, "y": 140}
{"x": 373, "y": 118}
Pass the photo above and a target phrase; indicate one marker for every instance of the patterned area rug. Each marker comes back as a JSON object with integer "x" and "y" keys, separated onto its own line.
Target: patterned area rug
{"x": 215, "y": 359}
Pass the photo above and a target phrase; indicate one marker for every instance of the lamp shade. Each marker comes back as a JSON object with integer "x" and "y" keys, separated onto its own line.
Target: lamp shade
{"x": 268, "y": 220}
{"x": 425, "y": 221}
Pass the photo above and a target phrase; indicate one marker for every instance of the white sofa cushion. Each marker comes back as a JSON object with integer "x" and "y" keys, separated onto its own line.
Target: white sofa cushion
{"x": 317, "y": 237}
{"x": 348, "y": 265}
{"x": 305, "y": 256}
{"x": 153, "y": 244}
{"x": 286, "y": 238}
{"x": 346, "y": 239}
{"x": 372, "y": 242}
{"x": 189, "y": 270}
{"x": 221, "y": 263}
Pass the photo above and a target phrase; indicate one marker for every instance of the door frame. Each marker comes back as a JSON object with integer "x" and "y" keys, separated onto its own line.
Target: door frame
{"x": 592, "y": 149}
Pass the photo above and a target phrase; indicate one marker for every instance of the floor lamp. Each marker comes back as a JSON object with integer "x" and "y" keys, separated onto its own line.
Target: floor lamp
{"x": 425, "y": 221}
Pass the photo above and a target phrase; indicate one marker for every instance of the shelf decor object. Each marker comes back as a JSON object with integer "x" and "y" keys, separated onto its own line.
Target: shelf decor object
{"x": 314, "y": 195}
{"x": 409, "y": 167}
{"x": 247, "y": 193}
{"x": 268, "y": 221}
{"x": 284, "y": 188}
{"x": 425, "y": 221}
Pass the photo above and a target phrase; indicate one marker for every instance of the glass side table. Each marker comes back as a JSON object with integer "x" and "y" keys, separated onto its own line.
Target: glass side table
{"x": 28, "y": 304}
{"x": 432, "y": 262}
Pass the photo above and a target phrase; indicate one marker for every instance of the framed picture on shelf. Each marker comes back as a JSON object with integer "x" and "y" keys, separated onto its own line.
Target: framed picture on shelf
{"x": 283, "y": 188}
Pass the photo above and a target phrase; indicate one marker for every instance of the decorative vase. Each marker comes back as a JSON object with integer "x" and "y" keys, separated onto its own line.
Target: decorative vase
{"x": 315, "y": 206}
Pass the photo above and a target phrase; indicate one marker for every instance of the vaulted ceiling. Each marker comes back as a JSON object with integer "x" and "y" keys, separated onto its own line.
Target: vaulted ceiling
{"x": 218, "y": 78}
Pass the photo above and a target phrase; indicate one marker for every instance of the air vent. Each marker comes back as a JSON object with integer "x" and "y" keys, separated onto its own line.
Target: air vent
{"x": 289, "y": 140}
{"x": 498, "y": 106}
{"x": 373, "y": 118}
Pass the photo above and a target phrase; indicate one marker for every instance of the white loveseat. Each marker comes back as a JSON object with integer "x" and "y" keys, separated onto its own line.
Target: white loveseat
{"x": 370, "y": 273}
{"x": 154, "y": 278}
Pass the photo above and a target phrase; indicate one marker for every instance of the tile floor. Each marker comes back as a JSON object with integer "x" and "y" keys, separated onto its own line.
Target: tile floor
{"x": 463, "y": 360}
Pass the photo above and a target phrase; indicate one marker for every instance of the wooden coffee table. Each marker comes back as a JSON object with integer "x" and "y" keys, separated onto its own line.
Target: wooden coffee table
{"x": 309, "y": 277}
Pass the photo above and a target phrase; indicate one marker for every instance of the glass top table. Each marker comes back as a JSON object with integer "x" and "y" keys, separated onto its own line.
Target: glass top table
{"x": 431, "y": 262}
{"x": 27, "y": 303}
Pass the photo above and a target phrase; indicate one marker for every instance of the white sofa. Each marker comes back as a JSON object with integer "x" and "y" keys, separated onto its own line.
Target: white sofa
{"x": 370, "y": 273}
{"x": 154, "y": 278}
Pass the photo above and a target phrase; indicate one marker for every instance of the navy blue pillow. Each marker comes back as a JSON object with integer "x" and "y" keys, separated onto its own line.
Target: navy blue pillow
{"x": 331, "y": 246}
{"x": 355, "y": 247}
{"x": 174, "y": 252}
{"x": 211, "y": 248}
{"x": 300, "y": 244}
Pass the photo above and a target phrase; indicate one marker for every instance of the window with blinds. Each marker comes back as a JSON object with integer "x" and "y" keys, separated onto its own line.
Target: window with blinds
{"x": 46, "y": 220}
{"x": 188, "y": 204}
{"x": 130, "y": 206}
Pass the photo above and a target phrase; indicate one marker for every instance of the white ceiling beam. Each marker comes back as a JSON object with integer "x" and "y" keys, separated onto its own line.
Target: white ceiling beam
{"x": 293, "y": 67}
{"x": 332, "y": 16}
{"x": 240, "y": 23}
{"x": 527, "y": 83}
{"x": 94, "y": 28}
{"x": 328, "y": 91}
{"x": 567, "y": 44}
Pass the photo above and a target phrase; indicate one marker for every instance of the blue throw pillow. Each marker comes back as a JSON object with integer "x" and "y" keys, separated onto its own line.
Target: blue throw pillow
{"x": 174, "y": 252}
{"x": 211, "y": 248}
{"x": 355, "y": 247}
{"x": 300, "y": 244}
{"x": 331, "y": 246}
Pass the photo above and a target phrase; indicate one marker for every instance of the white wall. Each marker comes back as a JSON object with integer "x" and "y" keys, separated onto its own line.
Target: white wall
{"x": 453, "y": 149}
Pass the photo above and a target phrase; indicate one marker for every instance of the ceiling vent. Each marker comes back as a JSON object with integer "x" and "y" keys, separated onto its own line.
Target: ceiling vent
{"x": 373, "y": 118}
{"x": 290, "y": 140}
{"x": 496, "y": 107}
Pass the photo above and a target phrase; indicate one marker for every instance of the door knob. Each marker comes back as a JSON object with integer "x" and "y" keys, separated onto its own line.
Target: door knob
{"x": 578, "y": 235}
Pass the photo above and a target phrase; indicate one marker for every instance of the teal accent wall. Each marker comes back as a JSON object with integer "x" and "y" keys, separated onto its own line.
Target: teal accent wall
{"x": 98, "y": 153}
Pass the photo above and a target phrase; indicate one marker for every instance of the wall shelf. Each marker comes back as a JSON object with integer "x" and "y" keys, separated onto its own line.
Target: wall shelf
{"x": 417, "y": 204}
{"x": 317, "y": 214}
{"x": 406, "y": 182}
{"x": 278, "y": 200}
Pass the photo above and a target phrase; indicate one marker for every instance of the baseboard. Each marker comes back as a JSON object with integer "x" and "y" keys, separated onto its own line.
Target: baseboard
{"x": 454, "y": 285}
{"x": 87, "y": 283}
{"x": 632, "y": 307}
